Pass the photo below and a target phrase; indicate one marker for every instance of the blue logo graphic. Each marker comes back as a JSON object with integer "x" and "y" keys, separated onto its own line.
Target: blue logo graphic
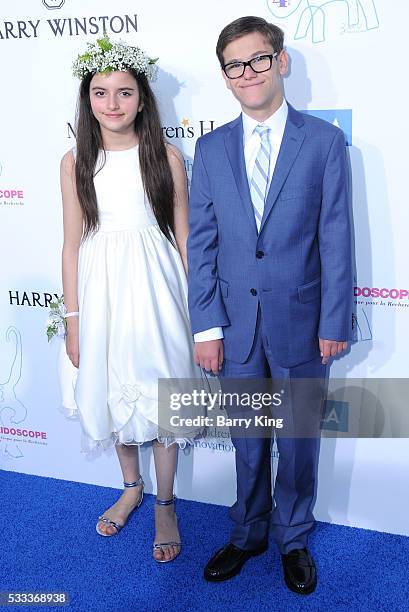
{"x": 342, "y": 118}
{"x": 353, "y": 15}
{"x": 335, "y": 416}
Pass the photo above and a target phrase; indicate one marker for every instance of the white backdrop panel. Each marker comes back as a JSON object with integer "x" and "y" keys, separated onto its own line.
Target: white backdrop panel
{"x": 347, "y": 67}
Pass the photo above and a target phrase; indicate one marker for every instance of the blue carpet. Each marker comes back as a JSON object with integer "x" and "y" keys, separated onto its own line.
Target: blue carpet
{"x": 49, "y": 543}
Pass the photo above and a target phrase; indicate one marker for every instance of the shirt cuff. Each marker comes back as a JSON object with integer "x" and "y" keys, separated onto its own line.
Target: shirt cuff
{"x": 214, "y": 333}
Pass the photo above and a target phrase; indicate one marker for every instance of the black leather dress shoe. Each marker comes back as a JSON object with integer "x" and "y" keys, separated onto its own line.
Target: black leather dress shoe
{"x": 228, "y": 561}
{"x": 300, "y": 573}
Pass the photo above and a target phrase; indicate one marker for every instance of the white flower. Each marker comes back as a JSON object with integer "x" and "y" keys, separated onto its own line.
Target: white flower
{"x": 56, "y": 323}
{"x": 104, "y": 56}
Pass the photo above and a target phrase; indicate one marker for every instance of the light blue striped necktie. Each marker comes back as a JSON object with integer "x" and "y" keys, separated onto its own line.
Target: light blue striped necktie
{"x": 261, "y": 172}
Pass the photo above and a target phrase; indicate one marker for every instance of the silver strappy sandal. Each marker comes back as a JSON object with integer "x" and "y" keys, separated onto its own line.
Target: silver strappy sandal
{"x": 160, "y": 545}
{"x": 117, "y": 526}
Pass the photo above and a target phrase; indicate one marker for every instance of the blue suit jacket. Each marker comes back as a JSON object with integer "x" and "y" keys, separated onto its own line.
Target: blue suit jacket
{"x": 298, "y": 267}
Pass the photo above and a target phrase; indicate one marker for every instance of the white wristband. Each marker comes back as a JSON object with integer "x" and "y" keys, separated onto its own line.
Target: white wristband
{"x": 71, "y": 314}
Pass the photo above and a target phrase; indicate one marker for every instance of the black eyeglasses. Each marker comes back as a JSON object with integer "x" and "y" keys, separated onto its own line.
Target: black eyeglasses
{"x": 261, "y": 63}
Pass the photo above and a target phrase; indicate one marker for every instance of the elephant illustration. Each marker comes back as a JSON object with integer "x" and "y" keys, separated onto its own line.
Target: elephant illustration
{"x": 8, "y": 399}
{"x": 312, "y": 15}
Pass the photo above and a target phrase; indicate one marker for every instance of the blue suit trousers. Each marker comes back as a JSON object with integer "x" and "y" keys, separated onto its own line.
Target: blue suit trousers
{"x": 291, "y": 514}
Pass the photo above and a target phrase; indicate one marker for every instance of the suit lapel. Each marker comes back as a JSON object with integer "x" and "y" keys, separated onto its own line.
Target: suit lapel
{"x": 235, "y": 153}
{"x": 292, "y": 140}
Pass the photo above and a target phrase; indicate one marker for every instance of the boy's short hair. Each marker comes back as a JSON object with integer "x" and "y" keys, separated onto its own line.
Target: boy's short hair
{"x": 247, "y": 25}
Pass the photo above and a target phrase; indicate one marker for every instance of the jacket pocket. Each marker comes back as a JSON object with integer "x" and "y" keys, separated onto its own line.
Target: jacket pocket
{"x": 293, "y": 191}
{"x": 310, "y": 291}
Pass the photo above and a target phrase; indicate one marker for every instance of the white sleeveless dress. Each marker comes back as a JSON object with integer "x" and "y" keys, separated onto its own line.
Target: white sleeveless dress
{"x": 133, "y": 322}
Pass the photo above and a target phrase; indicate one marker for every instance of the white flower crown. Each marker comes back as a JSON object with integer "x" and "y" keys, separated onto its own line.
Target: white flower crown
{"x": 106, "y": 56}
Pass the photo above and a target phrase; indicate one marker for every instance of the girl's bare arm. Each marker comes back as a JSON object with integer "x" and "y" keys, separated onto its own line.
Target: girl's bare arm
{"x": 181, "y": 206}
{"x": 73, "y": 227}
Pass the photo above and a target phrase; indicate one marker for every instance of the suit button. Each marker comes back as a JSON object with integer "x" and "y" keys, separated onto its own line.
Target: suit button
{"x": 259, "y": 254}
{"x": 253, "y": 291}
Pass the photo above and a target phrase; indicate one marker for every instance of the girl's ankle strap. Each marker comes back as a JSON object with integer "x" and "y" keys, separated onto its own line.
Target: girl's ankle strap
{"x": 134, "y": 484}
{"x": 165, "y": 502}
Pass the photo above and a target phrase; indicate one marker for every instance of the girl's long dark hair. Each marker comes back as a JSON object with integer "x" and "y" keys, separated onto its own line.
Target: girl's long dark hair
{"x": 155, "y": 170}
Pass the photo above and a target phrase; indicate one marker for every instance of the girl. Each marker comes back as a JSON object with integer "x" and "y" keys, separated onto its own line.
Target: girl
{"x": 124, "y": 277}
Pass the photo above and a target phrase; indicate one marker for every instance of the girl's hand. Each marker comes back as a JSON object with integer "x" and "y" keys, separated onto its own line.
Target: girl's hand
{"x": 72, "y": 344}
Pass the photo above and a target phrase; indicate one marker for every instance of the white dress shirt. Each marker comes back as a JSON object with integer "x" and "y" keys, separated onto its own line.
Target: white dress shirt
{"x": 251, "y": 142}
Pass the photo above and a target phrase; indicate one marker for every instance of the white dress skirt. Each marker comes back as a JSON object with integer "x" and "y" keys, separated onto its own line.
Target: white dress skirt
{"x": 133, "y": 323}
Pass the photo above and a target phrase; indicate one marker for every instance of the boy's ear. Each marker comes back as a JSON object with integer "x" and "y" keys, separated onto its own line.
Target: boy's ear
{"x": 283, "y": 61}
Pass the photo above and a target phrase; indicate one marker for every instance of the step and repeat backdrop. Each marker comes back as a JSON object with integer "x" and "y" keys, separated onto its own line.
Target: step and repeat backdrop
{"x": 344, "y": 68}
